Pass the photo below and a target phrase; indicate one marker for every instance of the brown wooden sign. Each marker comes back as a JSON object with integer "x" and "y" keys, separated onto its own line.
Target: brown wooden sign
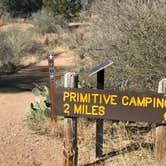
{"x": 106, "y": 104}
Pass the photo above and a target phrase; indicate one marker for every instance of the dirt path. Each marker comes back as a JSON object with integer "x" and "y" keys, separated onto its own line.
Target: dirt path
{"x": 18, "y": 144}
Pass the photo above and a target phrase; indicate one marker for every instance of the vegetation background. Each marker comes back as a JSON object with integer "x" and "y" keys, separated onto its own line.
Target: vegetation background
{"x": 132, "y": 35}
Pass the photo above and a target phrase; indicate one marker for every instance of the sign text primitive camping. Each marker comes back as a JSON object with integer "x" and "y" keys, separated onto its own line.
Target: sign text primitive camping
{"x": 106, "y": 104}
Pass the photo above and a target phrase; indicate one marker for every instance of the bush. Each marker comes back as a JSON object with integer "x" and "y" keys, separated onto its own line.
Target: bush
{"x": 14, "y": 45}
{"x": 133, "y": 35}
{"x": 45, "y": 22}
{"x": 66, "y": 8}
{"x": 21, "y": 7}
{"x": 2, "y": 9}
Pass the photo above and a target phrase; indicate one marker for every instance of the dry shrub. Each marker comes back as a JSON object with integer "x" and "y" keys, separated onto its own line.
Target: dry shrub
{"x": 51, "y": 39}
{"x": 130, "y": 33}
{"x": 46, "y": 22}
{"x": 124, "y": 144}
{"x": 51, "y": 128}
{"x": 14, "y": 45}
{"x": 47, "y": 127}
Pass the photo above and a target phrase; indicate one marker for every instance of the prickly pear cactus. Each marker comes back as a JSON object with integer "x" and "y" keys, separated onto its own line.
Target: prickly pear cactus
{"x": 40, "y": 109}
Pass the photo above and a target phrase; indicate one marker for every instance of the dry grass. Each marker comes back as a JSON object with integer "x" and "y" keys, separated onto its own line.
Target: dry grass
{"x": 132, "y": 34}
{"x": 20, "y": 36}
{"x": 124, "y": 144}
{"x": 32, "y": 59}
{"x": 52, "y": 128}
{"x": 23, "y": 26}
{"x": 47, "y": 127}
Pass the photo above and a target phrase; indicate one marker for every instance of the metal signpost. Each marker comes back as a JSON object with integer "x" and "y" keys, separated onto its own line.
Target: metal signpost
{"x": 99, "y": 122}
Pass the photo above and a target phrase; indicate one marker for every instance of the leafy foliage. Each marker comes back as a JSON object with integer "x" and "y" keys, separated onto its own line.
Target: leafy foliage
{"x": 2, "y": 9}
{"x": 133, "y": 35}
{"x": 67, "y": 8}
{"x": 21, "y": 7}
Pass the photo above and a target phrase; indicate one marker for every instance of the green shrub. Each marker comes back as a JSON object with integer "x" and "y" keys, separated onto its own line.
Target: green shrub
{"x": 133, "y": 35}
{"x": 15, "y": 44}
{"x": 39, "y": 114}
{"x": 2, "y": 9}
{"x": 66, "y": 8}
{"x": 40, "y": 109}
{"x": 21, "y": 7}
{"x": 45, "y": 22}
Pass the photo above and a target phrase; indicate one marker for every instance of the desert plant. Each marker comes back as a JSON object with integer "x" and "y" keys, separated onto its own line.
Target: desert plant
{"x": 39, "y": 115}
{"x": 133, "y": 35}
{"x": 46, "y": 22}
{"x": 14, "y": 45}
{"x": 40, "y": 109}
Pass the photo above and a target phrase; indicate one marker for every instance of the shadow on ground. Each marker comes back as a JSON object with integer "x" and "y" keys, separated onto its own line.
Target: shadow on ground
{"x": 127, "y": 149}
{"x": 25, "y": 79}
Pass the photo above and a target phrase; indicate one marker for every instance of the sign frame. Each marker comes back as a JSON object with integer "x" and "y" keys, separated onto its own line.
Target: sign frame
{"x": 114, "y": 111}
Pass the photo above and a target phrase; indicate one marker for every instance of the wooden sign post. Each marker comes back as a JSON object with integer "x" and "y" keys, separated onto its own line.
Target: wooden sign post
{"x": 70, "y": 128}
{"x": 160, "y": 138}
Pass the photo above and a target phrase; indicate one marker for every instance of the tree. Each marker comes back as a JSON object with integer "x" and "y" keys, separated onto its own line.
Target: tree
{"x": 67, "y": 8}
{"x": 21, "y": 7}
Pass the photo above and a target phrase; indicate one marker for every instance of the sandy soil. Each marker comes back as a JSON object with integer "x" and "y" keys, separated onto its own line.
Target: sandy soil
{"x": 18, "y": 144}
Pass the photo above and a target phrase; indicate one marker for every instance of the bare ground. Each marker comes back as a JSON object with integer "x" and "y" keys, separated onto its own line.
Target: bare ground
{"x": 18, "y": 144}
